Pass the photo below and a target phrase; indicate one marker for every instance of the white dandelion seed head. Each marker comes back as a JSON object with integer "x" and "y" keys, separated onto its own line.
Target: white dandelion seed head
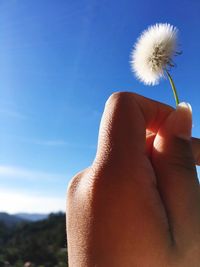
{"x": 153, "y": 52}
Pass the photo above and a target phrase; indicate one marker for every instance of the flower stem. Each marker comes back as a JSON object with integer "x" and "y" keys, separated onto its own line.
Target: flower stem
{"x": 173, "y": 88}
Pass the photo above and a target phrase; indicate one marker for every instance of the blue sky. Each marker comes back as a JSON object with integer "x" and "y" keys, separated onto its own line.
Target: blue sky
{"x": 59, "y": 62}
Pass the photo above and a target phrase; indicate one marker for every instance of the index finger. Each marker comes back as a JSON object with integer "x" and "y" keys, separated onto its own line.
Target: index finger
{"x": 123, "y": 126}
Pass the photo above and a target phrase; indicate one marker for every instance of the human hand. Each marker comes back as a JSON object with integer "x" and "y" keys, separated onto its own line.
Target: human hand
{"x": 139, "y": 202}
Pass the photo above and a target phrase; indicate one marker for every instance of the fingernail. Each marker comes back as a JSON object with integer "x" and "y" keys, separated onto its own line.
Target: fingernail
{"x": 183, "y": 120}
{"x": 186, "y": 106}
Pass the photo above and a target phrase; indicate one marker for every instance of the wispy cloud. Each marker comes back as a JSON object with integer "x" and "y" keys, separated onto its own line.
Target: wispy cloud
{"x": 49, "y": 142}
{"x": 16, "y": 172}
{"x": 12, "y": 114}
{"x": 28, "y": 190}
{"x": 14, "y": 201}
{"x": 59, "y": 142}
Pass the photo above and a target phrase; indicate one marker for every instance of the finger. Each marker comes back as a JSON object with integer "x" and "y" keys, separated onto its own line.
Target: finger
{"x": 125, "y": 177}
{"x": 176, "y": 175}
{"x": 123, "y": 126}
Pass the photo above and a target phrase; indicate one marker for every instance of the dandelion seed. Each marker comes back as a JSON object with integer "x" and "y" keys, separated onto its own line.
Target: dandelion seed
{"x": 152, "y": 56}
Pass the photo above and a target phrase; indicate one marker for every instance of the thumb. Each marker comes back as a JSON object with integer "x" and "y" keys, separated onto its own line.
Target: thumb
{"x": 173, "y": 140}
{"x": 179, "y": 123}
{"x": 176, "y": 173}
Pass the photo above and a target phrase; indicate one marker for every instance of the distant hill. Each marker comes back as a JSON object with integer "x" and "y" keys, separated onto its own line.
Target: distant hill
{"x": 42, "y": 243}
{"x": 10, "y": 220}
{"x": 33, "y": 217}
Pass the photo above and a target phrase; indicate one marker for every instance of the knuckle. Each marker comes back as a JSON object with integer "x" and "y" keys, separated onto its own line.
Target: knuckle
{"x": 74, "y": 183}
{"x": 119, "y": 98}
{"x": 83, "y": 185}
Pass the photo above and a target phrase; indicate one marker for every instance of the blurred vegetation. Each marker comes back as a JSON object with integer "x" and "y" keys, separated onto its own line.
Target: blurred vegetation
{"x": 34, "y": 244}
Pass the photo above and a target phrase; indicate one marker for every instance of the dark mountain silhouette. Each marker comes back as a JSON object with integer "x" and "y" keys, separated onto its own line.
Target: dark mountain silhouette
{"x": 41, "y": 243}
{"x": 10, "y": 220}
{"x": 32, "y": 216}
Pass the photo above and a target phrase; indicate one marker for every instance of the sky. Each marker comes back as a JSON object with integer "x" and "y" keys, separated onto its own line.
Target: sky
{"x": 59, "y": 62}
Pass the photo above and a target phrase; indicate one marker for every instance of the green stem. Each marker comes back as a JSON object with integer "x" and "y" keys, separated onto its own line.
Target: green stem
{"x": 173, "y": 88}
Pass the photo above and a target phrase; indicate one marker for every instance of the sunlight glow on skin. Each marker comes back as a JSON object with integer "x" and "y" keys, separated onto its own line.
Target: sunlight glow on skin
{"x": 159, "y": 143}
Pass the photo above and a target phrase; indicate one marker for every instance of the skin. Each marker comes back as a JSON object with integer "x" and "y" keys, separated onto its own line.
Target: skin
{"x": 138, "y": 205}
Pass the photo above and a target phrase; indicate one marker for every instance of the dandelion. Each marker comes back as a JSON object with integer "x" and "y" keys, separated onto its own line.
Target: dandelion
{"x": 151, "y": 58}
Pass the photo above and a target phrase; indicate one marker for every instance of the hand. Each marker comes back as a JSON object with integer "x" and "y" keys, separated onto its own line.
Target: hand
{"x": 139, "y": 202}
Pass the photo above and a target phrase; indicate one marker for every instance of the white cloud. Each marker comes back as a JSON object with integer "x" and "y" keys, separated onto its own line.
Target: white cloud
{"x": 59, "y": 142}
{"x": 14, "y": 201}
{"x": 7, "y": 171}
{"x": 12, "y": 114}
{"x": 55, "y": 143}
{"x": 50, "y": 142}
{"x": 21, "y": 193}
